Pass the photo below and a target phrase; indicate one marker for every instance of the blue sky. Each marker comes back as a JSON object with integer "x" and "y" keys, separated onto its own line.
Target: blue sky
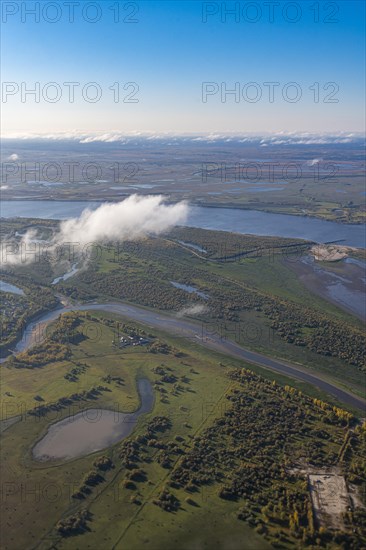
{"x": 172, "y": 49}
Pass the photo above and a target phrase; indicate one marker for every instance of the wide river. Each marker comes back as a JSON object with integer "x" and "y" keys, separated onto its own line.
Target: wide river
{"x": 251, "y": 222}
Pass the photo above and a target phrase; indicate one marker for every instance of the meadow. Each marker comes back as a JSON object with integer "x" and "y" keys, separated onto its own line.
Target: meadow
{"x": 242, "y": 287}
{"x": 155, "y": 488}
{"x": 225, "y": 453}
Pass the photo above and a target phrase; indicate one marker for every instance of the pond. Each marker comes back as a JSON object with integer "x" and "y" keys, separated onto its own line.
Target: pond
{"x": 190, "y": 289}
{"x": 91, "y": 430}
{"x": 7, "y": 287}
{"x": 74, "y": 269}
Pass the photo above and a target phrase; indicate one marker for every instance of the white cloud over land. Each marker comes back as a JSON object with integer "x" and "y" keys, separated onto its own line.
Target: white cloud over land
{"x": 131, "y": 219}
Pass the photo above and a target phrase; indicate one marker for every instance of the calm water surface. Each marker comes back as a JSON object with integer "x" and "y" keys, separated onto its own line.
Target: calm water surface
{"x": 7, "y": 287}
{"x": 91, "y": 430}
{"x": 224, "y": 219}
{"x": 74, "y": 269}
{"x": 190, "y": 289}
{"x": 342, "y": 283}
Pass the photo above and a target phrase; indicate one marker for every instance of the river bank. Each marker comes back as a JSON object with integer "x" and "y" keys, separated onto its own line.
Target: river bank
{"x": 189, "y": 330}
{"x": 251, "y": 222}
{"x": 341, "y": 283}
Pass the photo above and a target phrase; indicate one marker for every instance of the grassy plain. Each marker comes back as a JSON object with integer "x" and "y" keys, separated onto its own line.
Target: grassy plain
{"x": 22, "y": 474}
{"x": 255, "y": 298}
{"x": 38, "y": 495}
{"x": 253, "y": 295}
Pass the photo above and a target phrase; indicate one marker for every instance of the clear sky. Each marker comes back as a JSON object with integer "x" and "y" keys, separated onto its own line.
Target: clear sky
{"x": 169, "y": 49}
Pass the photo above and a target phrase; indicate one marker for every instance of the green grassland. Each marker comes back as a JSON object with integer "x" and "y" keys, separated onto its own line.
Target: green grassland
{"x": 123, "y": 510}
{"x": 304, "y": 196}
{"x": 49, "y": 383}
{"x": 253, "y": 294}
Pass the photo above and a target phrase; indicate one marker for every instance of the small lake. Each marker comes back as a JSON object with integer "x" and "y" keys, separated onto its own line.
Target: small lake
{"x": 7, "y": 287}
{"x": 91, "y": 430}
{"x": 190, "y": 289}
{"x": 74, "y": 269}
{"x": 251, "y": 222}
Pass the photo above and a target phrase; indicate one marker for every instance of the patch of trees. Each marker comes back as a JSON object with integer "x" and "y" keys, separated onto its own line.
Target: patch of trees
{"x": 160, "y": 262}
{"x": 18, "y": 311}
{"x": 247, "y": 453}
{"x": 78, "y": 293}
{"x": 117, "y": 379}
{"x": 151, "y": 288}
{"x": 158, "y": 424}
{"x": 167, "y": 501}
{"x": 130, "y": 450}
{"x": 74, "y": 373}
{"x": 323, "y": 335}
{"x": 63, "y": 402}
{"x": 40, "y": 355}
{"x": 103, "y": 463}
{"x": 74, "y": 524}
{"x": 137, "y": 474}
{"x": 129, "y": 453}
{"x": 55, "y": 347}
{"x": 128, "y": 484}
{"x": 160, "y": 347}
{"x": 13, "y": 311}
{"x": 93, "y": 478}
{"x": 65, "y": 330}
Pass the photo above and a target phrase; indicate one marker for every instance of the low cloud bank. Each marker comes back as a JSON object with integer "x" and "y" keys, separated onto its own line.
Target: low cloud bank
{"x": 280, "y": 137}
{"x": 131, "y": 219}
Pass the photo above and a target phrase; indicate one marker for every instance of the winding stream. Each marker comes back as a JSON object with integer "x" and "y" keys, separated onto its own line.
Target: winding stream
{"x": 197, "y": 333}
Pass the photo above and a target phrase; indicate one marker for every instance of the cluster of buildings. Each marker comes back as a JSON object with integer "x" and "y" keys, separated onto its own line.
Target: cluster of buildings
{"x": 125, "y": 341}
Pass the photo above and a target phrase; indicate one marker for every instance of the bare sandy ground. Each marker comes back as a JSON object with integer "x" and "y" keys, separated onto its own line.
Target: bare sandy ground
{"x": 330, "y": 499}
{"x": 330, "y": 253}
{"x": 330, "y": 495}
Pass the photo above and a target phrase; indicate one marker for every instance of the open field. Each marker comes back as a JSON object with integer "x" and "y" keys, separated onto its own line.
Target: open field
{"x": 195, "y": 391}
